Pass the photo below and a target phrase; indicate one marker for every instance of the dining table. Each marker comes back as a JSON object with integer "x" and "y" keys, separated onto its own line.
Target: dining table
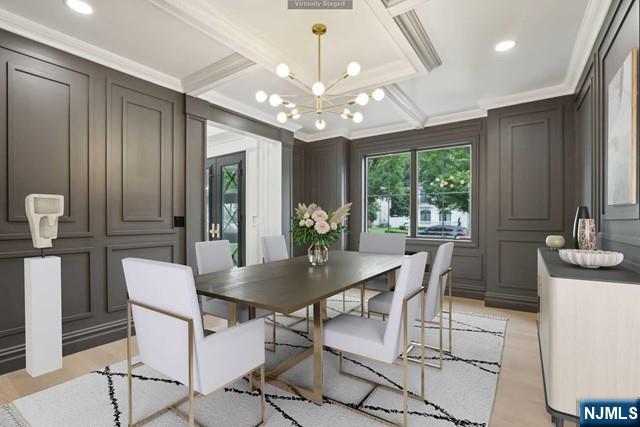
{"x": 289, "y": 285}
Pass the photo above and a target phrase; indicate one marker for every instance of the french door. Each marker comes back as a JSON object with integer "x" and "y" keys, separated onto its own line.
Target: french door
{"x": 225, "y": 202}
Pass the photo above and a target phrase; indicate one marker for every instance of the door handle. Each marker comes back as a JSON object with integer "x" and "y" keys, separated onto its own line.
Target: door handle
{"x": 215, "y": 231}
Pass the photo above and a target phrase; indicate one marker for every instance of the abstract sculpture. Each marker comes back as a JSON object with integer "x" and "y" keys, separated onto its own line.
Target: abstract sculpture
{"x": 43, "y": 211}
{"x": 43, "y": 287}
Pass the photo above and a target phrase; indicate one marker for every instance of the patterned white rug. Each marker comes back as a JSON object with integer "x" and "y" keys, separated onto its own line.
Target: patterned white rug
{"x": 461, "y": 394}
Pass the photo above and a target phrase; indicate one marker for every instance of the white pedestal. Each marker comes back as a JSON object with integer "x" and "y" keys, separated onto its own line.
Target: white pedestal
{"x": 43, "y": 314}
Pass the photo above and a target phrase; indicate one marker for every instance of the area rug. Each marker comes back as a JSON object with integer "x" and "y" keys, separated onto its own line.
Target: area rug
{"x": 461, "y": 394}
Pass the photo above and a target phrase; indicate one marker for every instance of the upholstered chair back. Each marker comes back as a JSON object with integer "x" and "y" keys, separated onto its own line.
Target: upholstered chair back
{"x": 409, "y": 280}
{"x": 274, "y": 248}
{"x": 213, "y": 256}
{"x": 163, "y": 340}
{"x": 382, "y": 243}
{"x": 441, "y": 264}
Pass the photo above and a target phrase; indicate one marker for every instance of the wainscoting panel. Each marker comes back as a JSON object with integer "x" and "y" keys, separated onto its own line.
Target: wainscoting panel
{"x": 531, "y": 194}
{"x": 618, "y": 226}
{"x": 60, "y": 116}
{"x": 139, "y": 163}
{"x": 530, "y": 171}
{"x": 116, "y": 287}
{"x": 44, "y": 142}
{"x": 79, "y": 282}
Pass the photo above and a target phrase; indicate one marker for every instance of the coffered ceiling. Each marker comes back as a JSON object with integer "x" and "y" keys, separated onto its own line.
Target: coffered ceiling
{"x": 435, "y": 58}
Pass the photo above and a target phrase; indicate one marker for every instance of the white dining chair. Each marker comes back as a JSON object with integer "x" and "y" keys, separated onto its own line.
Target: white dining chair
{"x": 214, "y": 256}
{"x": 170, "y": 336}
{"x": 384, "y": 341}
{"x": 274, "y": 248}
{"x": 379, "y": 243}
{"x": 440, "y": 277}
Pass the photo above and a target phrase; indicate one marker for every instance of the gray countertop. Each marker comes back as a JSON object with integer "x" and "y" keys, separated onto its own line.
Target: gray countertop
{"x": 562, "y": 270}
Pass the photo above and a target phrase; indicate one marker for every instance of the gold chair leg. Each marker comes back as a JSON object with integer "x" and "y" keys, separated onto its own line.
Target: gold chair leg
{"x": 405, "y": 368}
{"x": 129, "y": 382}
{"x": 192, "y": 402}
{"x": 263, "y": 399}
{"x": 450, "y": 314}
{"x": 362, "y": 300}
{"x": 273, "y": 334}
{"x": 307, "y": 320}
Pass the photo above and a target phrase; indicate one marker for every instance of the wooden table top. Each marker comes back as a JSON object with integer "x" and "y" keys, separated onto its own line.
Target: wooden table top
{"x": 289, "y": 285}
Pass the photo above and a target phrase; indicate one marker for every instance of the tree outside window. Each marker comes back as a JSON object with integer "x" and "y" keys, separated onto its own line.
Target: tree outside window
{"x": 442, "y": 193}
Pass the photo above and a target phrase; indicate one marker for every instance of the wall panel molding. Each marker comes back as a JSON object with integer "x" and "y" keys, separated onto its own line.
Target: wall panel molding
{"x": 54, "y": 138}
{"x": 75, "y": 293}
{"x": 60, "y": 98}
{"x": 140, "y": 139}
{"x": 116, "y": 287}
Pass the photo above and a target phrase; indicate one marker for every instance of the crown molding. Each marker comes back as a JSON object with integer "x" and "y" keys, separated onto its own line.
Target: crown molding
{"x": 459, "y": 116}
{"x": 48, "y": 36}
{"x": 416, "y": 35}
{"x": 242, "y": 108}
{"x": 592, "y": 21}
{"x": 318, "y": 136}
{"x": 380, "y": 130}
{"x": 409, "y": 110}
{"x": 218, "y": 73}
{"x": 527, "y": 96}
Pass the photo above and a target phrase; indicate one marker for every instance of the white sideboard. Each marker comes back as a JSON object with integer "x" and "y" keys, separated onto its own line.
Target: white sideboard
{"x": 589, "y": 332}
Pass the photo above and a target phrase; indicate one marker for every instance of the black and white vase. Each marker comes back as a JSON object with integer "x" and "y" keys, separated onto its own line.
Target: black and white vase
{"x": 581, "y": 213}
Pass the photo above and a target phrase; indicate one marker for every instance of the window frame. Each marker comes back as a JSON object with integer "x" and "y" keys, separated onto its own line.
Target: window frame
{"x": 414, "y": 146}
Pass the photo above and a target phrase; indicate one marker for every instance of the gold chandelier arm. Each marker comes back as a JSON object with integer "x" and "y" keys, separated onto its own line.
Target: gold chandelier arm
{"x": 336, "y": 81}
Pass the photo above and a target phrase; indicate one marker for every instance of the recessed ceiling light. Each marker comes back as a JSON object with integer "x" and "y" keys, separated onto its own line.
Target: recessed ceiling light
{"x": 79, "y": 6}
{"x": 505, "y": 45}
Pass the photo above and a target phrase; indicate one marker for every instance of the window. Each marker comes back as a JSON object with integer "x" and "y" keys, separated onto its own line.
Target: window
{"x": 442, "y": 192}
{"x": 389, "y": 193}
{"x": 444, "y": 182}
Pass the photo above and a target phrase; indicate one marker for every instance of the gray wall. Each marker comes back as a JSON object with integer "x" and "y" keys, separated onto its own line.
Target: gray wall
{"x": 530, "y": 194}
{"x": 523, "y": 161}
{"x": 618, "y": 226}
{"x": 113, "y": 145}
{"x": 469, "y": 273}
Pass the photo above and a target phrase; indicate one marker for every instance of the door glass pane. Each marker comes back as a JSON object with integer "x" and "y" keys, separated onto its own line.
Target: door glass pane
{"x": 389, "y": 193}
{"x": 444, "y": 196}
{"x": 230, "y": 207}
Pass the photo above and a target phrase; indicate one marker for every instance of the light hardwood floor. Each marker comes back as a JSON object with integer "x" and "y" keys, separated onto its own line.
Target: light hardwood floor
{"x": 519, "y": 398}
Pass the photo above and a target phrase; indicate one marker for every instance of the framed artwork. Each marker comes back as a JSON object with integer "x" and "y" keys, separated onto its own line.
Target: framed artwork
{"x": 622, "y": 133}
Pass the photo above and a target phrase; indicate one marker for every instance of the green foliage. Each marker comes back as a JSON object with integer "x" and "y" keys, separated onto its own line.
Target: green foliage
{"x": 445, "y": 176}
{"x": 389, "y": 178}
{"x": 305, "y": 235}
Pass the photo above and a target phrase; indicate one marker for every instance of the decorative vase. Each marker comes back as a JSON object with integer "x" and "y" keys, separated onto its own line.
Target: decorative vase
{"x": 318, "y": 254}
{"x": 587, "y": 234}
{"x": 555, "y": 242}
{"x": 581, "y": 213}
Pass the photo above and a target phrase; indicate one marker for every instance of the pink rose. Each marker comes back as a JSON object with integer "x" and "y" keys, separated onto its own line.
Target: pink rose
{"x": 322, "y": 227}
{"x": 308, "y": 223}
{"x": 319, "y": 215}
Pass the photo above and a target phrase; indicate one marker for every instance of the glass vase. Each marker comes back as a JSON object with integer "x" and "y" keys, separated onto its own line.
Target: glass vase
{"x": 318, "y": 254}
{"x": 587, "y": 234}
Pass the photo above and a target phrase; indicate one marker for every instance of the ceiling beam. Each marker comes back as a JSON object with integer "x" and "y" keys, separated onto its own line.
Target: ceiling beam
{"x": 216, "y": 74}
{"x": 409, "y": 110}
{"x": 412, "y": 28}
{"x": 397, "y": 7}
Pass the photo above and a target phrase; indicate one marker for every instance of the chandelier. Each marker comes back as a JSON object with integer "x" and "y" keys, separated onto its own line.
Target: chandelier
{"x": 324, "y": 101}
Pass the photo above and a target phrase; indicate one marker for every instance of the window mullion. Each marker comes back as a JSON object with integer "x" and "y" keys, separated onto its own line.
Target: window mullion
{"x": 413, "y": 209}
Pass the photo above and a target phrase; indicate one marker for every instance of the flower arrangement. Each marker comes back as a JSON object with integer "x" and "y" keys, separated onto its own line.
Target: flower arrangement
{"x": 312, "y": 225}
